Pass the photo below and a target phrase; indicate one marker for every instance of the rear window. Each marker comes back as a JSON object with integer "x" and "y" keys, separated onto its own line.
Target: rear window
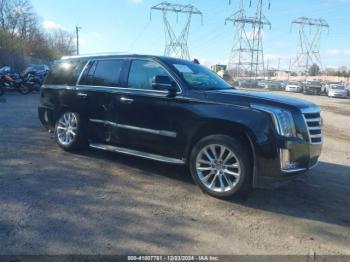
{"x": 65, "y": 73}
{"x": 103, "y": 73}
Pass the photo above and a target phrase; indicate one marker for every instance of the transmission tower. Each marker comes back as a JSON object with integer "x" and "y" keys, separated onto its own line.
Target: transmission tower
{"x": 247, "y": 54}
{"x": 310, "y": 32}
{"x": 176, "y": 44}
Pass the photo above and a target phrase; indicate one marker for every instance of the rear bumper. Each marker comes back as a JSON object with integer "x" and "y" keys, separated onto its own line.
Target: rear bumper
{"x": 46, "y": 116}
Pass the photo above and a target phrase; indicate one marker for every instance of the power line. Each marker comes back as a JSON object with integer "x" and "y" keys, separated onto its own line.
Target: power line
{"x": 177, "y": 45}
{"x": 247, "y": 54}
{"x": 310, "y": 32}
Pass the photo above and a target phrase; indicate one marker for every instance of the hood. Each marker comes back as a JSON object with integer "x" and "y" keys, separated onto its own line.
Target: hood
{"x": 246, "y": 98}
{"x": 339, "y": 91}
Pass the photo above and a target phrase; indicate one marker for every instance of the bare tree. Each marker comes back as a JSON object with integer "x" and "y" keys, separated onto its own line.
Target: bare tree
{"x": 22, "y": 38}
{"x": 61, "y": 42}
{"x": 18, "y": 18}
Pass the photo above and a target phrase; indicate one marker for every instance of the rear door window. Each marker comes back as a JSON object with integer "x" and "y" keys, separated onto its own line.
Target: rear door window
{"x": 65, "y": 73}
{"x": 103, "y": 73}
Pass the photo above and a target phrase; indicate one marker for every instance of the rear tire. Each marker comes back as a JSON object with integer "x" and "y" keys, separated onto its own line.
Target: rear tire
{"x": 70, "y": 132}
{"x": 2, "y": 92}
{"x": 221, "y": 166}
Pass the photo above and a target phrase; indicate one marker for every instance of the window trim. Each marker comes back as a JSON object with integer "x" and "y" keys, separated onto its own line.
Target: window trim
{"x": 93, "y": 61}
{"x": 73, "y": 84}
{"x": 151, "y": 90}
{"x": 128, "y": 72}
{"x": 82, "y": 72}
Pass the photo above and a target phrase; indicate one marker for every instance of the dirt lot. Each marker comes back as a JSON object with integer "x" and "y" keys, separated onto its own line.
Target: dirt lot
{"x": 53, "y": 202}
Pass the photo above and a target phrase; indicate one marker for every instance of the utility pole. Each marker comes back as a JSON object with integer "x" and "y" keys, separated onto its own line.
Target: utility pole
{"x": 77, "y": 29}
{"x": 310, "y": 32}
{"x": 176, "y": 44}
{"x": 247, "y": 54}
{"x": 268, "y": 64}
{"x": 290, "y": 68}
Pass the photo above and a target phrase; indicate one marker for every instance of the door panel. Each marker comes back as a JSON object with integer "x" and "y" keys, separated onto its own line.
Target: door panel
{"x": 103, "y": 107}
{"x": 99, "y": 84}
{"x": 145, "y": 124}
{"x": 147, "y": 121}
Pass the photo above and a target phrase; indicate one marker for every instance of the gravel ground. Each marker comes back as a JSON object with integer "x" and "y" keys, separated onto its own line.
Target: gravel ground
{"x": 53, "y": 202}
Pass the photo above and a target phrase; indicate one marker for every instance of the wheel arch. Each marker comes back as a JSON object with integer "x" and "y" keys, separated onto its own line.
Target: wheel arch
{"x": 231, "y": 129}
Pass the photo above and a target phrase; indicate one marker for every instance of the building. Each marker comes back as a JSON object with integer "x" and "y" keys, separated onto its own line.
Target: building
{"x": 219, "y": 69}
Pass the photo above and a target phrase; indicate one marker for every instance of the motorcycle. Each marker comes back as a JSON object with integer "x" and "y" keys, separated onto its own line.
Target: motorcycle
{"x": 24, "y": 84}
{"x": 35, "y": 80}
{"x": 2, "y": 84}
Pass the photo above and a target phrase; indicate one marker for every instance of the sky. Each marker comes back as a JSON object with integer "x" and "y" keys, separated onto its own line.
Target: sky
{"x": 125, "y": 26}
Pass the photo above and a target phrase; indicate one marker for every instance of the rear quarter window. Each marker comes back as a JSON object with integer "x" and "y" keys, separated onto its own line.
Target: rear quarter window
{"x": 65, "y": 73}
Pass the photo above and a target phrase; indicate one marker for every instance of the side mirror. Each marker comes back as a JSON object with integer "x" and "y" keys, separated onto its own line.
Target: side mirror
{"x": 164, "y": 83}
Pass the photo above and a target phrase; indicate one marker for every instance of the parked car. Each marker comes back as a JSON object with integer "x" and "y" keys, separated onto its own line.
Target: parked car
{"x": 337, "y": 91}
{"x": 312, "y": 88}
{"x": 347, "y": 87}
{"x": 248, "y": 83}
{"x": 271, "y": 85}
{"x": 38, "y": 72}
{"x": 178, "y": 112}
{"x": 326, "y": 86}
{"x": 294, "y": 87}
{"x": 38, "y": 69}
{"x": 283, "y": 84}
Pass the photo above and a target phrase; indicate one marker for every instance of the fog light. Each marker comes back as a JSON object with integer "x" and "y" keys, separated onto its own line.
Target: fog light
{"x": 286, "y": 163}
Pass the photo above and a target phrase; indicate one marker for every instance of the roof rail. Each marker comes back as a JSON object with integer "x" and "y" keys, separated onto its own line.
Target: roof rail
{"x": 96, "y": 54}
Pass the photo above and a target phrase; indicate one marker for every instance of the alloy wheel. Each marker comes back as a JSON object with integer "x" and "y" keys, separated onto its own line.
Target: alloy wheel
{"x": 66, "y": 128}
{"x": 218, "y": 168}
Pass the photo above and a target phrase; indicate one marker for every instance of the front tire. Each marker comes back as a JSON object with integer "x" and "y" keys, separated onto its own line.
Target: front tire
{"x": 69, "y": 131}
{"x": 220, "y": 165}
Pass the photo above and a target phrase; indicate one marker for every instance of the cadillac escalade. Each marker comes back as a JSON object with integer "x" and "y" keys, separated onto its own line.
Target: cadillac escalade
{"x": 178, "y": 112}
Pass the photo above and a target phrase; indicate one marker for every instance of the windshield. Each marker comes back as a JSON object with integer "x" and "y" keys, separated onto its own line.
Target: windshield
{"x": 200, "y": 78}
{"x": 338, "y": 87}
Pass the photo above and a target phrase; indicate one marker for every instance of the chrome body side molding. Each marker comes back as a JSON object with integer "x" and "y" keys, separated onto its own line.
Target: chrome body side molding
{"x": 141, "y": 154}
{"x": 141, "y": 129}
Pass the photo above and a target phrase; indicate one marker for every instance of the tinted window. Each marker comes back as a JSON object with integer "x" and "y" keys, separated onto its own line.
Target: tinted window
{"x": 65, "y": 73}
{"x": 199, "y": 77}
{"x": 103, "y": 73}
{"x": 142, "y": 72}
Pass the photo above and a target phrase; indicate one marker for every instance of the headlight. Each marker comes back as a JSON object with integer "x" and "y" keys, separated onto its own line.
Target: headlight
{"x": 282, "y": 119}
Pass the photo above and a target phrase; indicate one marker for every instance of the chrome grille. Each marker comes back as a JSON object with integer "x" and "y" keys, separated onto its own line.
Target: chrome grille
{"x": 314, "y": 125}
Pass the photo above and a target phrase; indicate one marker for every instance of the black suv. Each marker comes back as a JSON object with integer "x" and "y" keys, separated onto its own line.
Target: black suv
{"x": 178, "y": 112}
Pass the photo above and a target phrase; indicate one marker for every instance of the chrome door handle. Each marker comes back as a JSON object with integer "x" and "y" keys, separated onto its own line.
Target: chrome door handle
{"x": 126, "y": 100}
{"x": 82, "y": 94}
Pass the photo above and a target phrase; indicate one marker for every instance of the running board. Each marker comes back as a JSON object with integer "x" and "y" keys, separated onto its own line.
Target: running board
{"x": 141, "y": 154}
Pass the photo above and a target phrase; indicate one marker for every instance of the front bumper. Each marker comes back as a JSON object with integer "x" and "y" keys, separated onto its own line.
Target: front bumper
{"x": 305, "y": 155}
{"x": 312, "y": 91}
{"x": 338, "y": 95}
